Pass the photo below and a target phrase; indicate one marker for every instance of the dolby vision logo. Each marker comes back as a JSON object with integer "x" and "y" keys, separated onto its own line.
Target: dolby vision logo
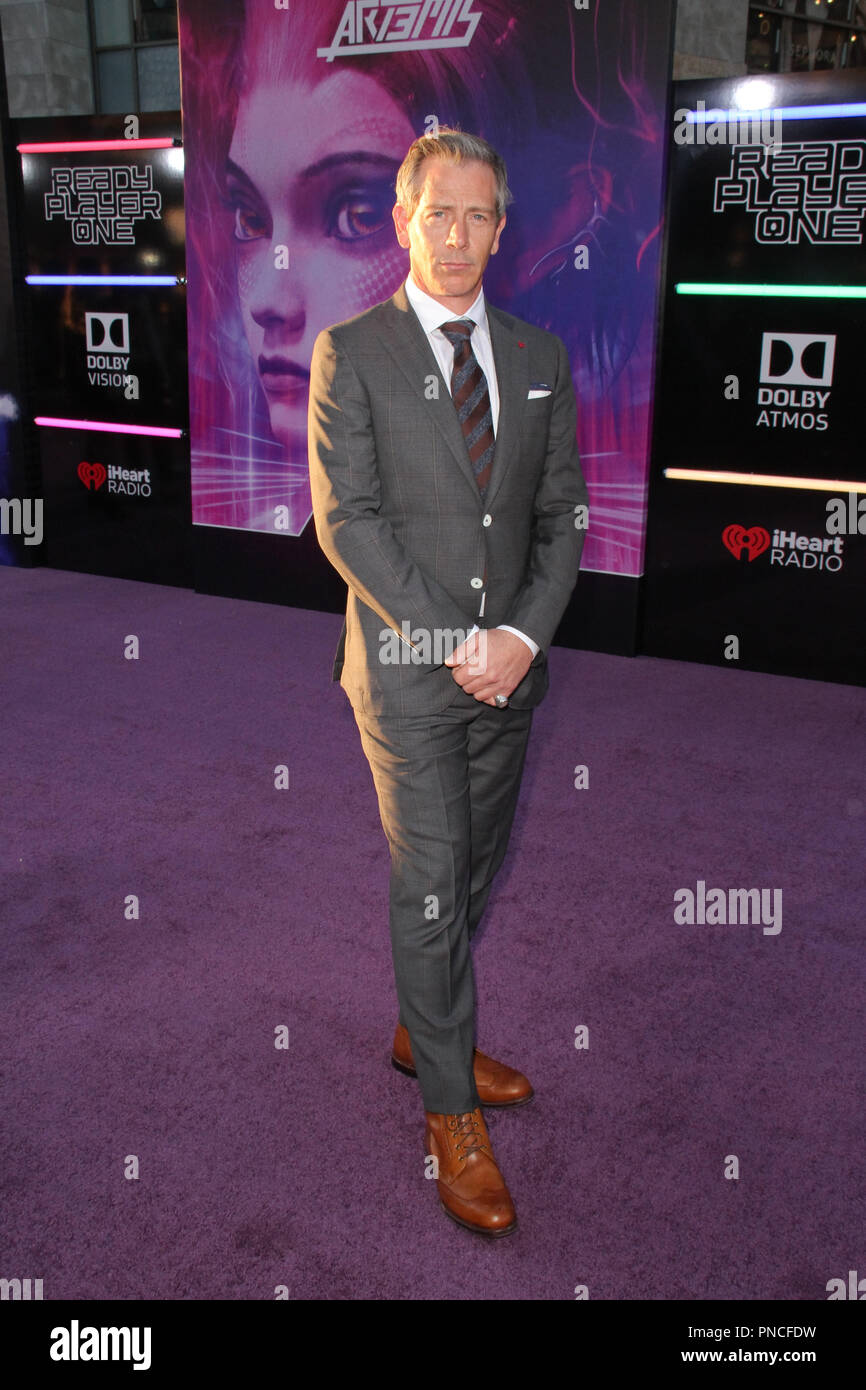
{"x": 107, "y": 332}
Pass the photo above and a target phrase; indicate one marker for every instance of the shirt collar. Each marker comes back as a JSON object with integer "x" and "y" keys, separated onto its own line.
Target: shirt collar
{"x": 432, "y": 314}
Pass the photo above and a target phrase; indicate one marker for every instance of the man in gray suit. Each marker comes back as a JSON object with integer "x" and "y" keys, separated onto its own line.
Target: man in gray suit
{"x": 448, "y": 493}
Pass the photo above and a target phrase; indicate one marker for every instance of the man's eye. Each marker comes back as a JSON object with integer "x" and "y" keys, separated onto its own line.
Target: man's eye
{"x": 356, "y": 216}
{"x": 249, "y": 225}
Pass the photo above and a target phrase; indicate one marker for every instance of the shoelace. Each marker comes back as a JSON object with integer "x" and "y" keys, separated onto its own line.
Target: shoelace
{"x": 472, "y": 1140}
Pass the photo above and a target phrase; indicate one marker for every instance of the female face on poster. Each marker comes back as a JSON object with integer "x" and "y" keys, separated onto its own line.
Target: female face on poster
{"x": 310, "y": 183}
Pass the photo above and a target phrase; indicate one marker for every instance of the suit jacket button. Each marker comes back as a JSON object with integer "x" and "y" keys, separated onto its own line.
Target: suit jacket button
{"x": 486, "y": 520}
{"x": 477, "y": 583}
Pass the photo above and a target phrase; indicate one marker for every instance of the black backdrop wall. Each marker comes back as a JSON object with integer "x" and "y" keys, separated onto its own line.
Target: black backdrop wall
{"x": 21, "y": 516}
{"x": 106, "y": 354}
{"x": 761, "y": 383}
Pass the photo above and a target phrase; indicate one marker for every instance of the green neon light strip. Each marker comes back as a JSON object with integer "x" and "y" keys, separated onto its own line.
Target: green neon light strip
{"x": 774, "y": 291}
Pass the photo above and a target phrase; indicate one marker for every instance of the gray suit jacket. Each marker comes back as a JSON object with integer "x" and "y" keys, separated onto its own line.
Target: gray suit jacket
{"x": 398, "y": 511}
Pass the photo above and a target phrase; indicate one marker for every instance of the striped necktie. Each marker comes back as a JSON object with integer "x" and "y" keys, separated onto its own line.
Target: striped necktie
{"x": 471, "y": 400}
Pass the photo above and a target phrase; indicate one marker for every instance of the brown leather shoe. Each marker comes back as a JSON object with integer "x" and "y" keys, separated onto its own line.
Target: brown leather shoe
{"x": 471, "y": 1188}
{"x": 496, "y": 1084}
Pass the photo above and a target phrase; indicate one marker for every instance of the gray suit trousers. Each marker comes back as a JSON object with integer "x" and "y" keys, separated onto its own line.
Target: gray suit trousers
{"x": 447, "y": 785}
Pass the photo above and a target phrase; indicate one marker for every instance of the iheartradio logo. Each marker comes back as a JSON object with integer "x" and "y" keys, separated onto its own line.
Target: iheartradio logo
{"x": 128, "y": 482}
{"x": 92, "y": 475}
{"x": 754, "y": 541}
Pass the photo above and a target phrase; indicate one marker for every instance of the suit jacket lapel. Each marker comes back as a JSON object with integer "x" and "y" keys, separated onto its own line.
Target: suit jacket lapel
{"x": 512, "y": 376}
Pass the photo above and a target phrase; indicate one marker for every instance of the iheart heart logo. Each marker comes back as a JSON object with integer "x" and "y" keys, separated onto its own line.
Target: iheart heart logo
{"x": 92, "y": 475}
{"x": 754, "y": 542}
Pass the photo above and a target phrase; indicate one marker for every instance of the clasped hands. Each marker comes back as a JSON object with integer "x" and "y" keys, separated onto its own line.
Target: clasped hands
{"x": 490, "y": 663}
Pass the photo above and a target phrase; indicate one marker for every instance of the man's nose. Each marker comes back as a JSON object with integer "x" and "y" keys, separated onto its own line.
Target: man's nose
{"x": 458, "y": 235}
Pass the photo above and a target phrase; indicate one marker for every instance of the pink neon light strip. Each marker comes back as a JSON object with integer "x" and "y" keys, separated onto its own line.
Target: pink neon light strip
{"x": 64, "y": 146}
{"x": 57, "y": 423}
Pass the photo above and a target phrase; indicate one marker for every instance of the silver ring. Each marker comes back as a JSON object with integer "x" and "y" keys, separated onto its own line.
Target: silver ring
{"x": 501, "y": 700}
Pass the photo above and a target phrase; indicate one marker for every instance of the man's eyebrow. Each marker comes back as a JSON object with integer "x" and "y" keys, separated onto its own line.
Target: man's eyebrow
{"x": 449, "y": 207}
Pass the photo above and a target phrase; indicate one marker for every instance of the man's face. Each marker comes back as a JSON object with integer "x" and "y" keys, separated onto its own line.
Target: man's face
{"x": 453, "y": 231}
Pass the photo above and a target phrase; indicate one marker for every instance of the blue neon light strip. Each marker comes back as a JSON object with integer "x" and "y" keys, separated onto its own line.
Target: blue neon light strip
{"x": 785, "y": 113}
{"x": 102, "y": 280}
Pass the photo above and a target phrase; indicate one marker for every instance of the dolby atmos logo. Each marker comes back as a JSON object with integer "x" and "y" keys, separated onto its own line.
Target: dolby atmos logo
{"x": 796, "y": 376}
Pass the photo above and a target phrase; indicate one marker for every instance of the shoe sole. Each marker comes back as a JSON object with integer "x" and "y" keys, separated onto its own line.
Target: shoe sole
{"x": 487, "y": 1104}
{"x": 479, "y": 1230}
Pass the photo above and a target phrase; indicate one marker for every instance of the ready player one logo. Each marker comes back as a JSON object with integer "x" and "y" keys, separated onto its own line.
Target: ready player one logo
{"x": 102, "y": 203}
{"x": 374, "y": 26}
{"x": 814, "y": 191}
{"x": 794, "y": 366}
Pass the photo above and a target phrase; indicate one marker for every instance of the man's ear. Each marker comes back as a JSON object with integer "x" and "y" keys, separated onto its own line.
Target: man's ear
{"x": 401, "y": 223}
{"x": 495, "y": 247}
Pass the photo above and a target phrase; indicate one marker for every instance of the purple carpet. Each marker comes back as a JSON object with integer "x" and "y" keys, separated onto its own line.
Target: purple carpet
{"x": 150, "y": 1040}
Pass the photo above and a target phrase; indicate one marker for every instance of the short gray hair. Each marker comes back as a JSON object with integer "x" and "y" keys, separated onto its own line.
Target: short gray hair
{"x": 453, "y": 146}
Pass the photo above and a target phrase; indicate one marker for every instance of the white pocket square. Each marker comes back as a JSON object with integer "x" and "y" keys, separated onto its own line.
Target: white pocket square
{"x": 536, "y": 391}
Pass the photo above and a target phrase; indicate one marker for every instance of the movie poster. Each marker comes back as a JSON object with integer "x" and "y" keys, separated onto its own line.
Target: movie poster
{"x": 296, "y": 118}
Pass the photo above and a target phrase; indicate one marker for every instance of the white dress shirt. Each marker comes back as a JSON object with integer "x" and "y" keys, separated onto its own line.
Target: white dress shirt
{"x": 431, "y": 315}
